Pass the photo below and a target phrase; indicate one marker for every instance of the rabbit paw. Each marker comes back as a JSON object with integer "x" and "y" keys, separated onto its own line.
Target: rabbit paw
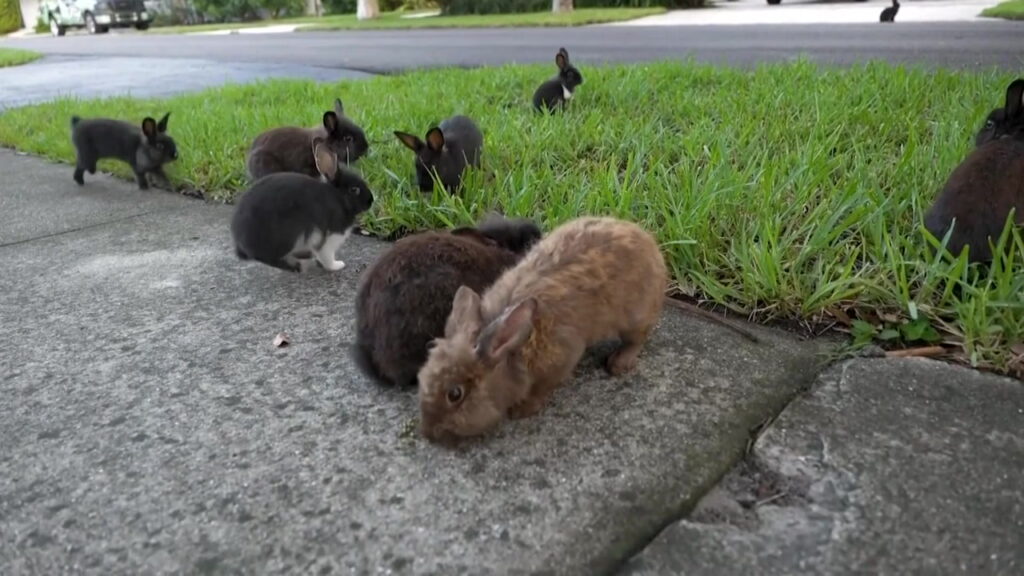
{"x": 526, "y": 408}
{"x": 334, "y": 265}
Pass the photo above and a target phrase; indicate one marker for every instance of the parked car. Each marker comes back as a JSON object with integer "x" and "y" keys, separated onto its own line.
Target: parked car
{"x": 96, "y": 16}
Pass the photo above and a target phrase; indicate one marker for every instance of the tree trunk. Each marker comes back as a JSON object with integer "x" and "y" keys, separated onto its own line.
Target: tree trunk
{"x": 314, "y": 8}
{"x": 561, "y": 6}
{"x": 367, "y": 9}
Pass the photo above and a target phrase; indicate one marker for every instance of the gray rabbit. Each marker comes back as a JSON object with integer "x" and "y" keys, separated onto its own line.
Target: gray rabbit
{"x": 286, "y": 219}
{"x": 1007, "y": 121}
{"x": 289, "y": 148}
{"x": 555, "y": 92}
{"x": 145, "y": 150}
{"x": 450, "y": 147}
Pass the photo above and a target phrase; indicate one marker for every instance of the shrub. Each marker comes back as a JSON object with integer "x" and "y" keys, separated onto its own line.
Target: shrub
{"x": 453, "y": 7}
{"x": 10, "y": 16}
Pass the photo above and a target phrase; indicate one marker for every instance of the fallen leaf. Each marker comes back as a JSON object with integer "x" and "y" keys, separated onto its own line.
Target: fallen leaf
{"x": 281, "y": 340}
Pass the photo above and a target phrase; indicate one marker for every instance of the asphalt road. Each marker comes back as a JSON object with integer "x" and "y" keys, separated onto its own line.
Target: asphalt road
{"x": 947, "y": 44}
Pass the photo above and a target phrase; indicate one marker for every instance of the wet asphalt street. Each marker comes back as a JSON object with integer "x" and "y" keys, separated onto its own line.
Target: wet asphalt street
{"x": 948, "y": 44}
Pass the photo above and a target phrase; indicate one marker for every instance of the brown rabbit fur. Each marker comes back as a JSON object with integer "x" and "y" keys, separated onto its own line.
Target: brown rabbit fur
{"x": 404, "y": 298}
{"x": 979, "y": 195}
{"x": 590, "y": 280}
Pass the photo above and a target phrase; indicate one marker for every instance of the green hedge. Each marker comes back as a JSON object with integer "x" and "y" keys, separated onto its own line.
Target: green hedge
{"x": 453, "y": 7}
{"x": 10, "y": 16}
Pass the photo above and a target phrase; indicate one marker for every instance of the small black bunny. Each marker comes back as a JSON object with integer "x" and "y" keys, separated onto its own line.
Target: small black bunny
{"x": 286, "y": 219}
{"x": 555, "y": 92}
{"x": 450, "y": 147}
{"x": 978, "y": 197}
{"x": 289, "y": 148}
{"x": 889, "y": 14}
{"x": 146, "y": 150}
{"x": 405, "y": 297}
{"x": 1007, "y": 121}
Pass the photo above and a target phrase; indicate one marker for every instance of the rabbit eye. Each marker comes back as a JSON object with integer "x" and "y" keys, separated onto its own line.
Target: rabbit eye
{"x": 355, "y": 190}
{"x": 347, "y": 137}
{"x": 454, "y": 394}
{"x": 990, "y": 124}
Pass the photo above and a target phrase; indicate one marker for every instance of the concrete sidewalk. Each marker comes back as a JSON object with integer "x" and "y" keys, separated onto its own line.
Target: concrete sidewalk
{"x": 151, "y": 427}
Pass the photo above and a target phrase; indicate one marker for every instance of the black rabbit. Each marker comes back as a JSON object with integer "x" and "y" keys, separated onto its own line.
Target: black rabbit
{"x": 286, "y": 219}
{"x": 289, "y": 148}
{"x": 978, "y": 196}
{"x": 405, "y": 297}
{"x": 145, "y": 150}
{"x": 1007, "y": 121}
{"x": 889, "y": 14}
{"x": 554, "y": 93}
{"x": 450, "y": 148}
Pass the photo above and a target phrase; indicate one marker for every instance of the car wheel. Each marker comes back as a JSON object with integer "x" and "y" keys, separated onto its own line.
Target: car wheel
{"x": 142, "y": 26}
{"x": 56, "y": 29}
{"x": 774, "y": 2}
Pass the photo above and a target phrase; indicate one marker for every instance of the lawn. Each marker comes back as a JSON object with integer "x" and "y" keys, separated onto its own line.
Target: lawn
{"x": 787, "y": 192}
{"x": 14, "y": 57}
{"x": 396, "y": 20}
{"x": 1010, "y": 10}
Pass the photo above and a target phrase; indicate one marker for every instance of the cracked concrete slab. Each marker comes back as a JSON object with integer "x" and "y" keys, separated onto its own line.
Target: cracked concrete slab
{"x": 141, "y": 77}
{"x": 151, "y": 427}
{"x": 896, "y": 466}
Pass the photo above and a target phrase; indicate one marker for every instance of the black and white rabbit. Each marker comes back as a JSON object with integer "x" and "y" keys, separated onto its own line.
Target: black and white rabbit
{"x": 289, "y": 148}
{"x": 405, "y": 297}
{"x": 555, "y": 92}
{"x": 286, "y": 219}
{"x": 1007, "y": 121}
{"x": 449, "y": 149}
{"x": 145, "y": 150}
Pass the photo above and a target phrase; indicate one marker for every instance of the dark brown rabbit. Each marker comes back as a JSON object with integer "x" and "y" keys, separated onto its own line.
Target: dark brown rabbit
{"x": 978, "y": 196}
{"x": 504, "y": 353}
{"x": 290, "y": 148}
{"x": 405, "y": 297}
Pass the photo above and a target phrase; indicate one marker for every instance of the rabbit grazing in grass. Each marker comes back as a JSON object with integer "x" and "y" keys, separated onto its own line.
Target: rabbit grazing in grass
{"x": 554, "y": 93}
{"x": 289, "y": 148}
{"x": 145, "y": 150}
{"x": 1008, "y": 121}
{"x": 285, "y": 220}
{"x": 451, "y": 147}
{"x": 404, "y": 298}
{"x": 978, "y": 197}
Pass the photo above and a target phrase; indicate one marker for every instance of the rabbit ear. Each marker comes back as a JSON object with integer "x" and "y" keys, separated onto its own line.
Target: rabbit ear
{"x": 465, "y": 314}
{"x": 561, "y": 60}
{"x": 326, "y": 160}
{"x": 411, "y": 142}
{"x": 435, "y": 139}
{"x": 330, "y": 121}
{"x": 508, "y": 332}
{"x": 149, "y": 128}
{"x": 161, "y": 126}
{"x": 1015, "y": 99}
{"x": 339, "y": 108}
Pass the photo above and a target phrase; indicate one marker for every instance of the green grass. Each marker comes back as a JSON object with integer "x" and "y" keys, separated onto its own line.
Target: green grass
{"x": 14, "y": 57}
{"x": 391, "y": 20}
{"x": 786, "y": 192}
{"x": 1010, "y": 10}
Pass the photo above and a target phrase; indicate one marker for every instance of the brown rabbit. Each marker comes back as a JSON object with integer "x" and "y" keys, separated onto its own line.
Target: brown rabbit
{"x": 978, "y": 196}
{"x": 404, "y": 298}
{"x": 589, "y": 280}
{"x": 290, "y": 148}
